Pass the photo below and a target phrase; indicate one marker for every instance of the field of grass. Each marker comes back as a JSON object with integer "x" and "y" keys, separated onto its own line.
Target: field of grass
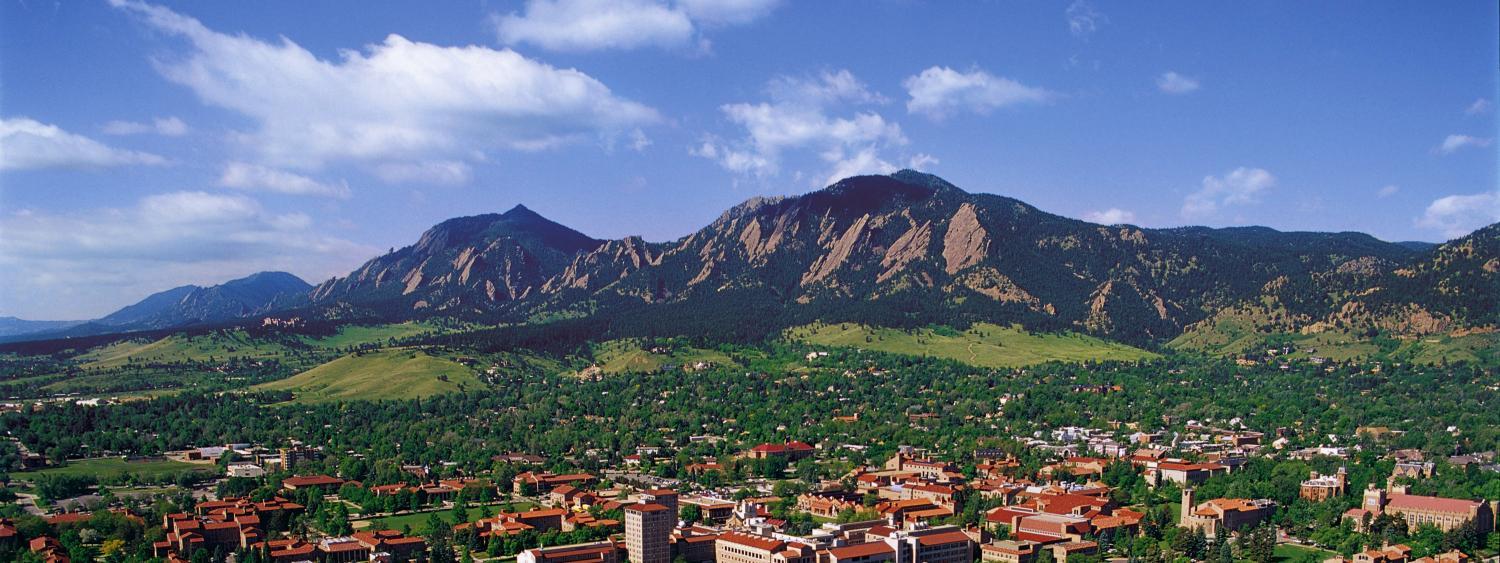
{"x": 180, "y": 348}
{"x": 225, "y": 344}
{"x": 109, "y": 466}
{"x": 1234, "y": 335}
{"x": 418, "y": 521}
{"x": 396, "y": 373}
{"x": 983, "y": 345}
{"x": 1293, "y": 553}
{"x": 626, "y": 356}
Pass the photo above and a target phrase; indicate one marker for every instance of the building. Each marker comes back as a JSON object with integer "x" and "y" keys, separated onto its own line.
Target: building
{"x": 1410, "y": 470}
{"x": 291, "y": 457}
{"x": 322, "y": 482}
{"x": 543, "y": 483}
{"x": 737, "y": 547}
{"x": 871, "y": 552}
{"x": 49, "y": 550}
{"x": 1223, "y": 515}
{"x": 792, "y": 451}
{"x": 399, "y": 546}
{"x": 596, "y": 552}
{"x": 925, "y": 468}
{"x": 714, "y": 511}
{"x": 1319, "y": 488}
{"x": 664, "y": 497}
{"x": 1010, "y": 551}
{"x": 920, "y": 544}
{"x": 245, "y": 470}
{"x": 694, "y": 544}
{"x": 648, "y": 532}
{"x": 1445, "y": 513}
{"x": 1182, "y": 473}
{"x": 1061, "y": 551}
{"x": 829, "y": 504}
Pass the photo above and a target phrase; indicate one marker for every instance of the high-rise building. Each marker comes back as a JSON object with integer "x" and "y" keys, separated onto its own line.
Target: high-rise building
{"x": 648, "y": 532}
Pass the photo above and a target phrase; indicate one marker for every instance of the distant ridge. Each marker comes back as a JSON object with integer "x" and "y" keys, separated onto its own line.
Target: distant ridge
{"x": 908, "y": 247}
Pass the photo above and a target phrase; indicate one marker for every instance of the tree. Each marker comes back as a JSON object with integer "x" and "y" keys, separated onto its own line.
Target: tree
{"x": 690, "y": 513}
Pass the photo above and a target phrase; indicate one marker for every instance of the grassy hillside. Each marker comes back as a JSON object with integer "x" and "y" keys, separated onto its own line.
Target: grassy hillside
{"x": 984, "y": 345}
{"x": 1236, "y": 335}
{"x": 400, "y": 373}
{"x": 182, "y": 347}
{"x": 631, "y": 356}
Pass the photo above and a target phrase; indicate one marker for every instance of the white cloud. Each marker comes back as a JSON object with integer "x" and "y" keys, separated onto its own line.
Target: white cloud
{"x": 727, "y": 12}
{"x": 798, "y": 119}
{"x": 828, "y": 87}
{"x": 89, "y": 261}
{"x": 1239, "y": 187}
{"x": 255, "y": 177}
{"x": 1480, "y": 106}
{"x": 1454, "y": 143}
{"x": 1083, "y": 19}
{"x": 1173, "y": 83}
{"x": 1111, "y": 216}
{"x": 441, "y": 172}
{"x": 922, "y": 162}
{"x": 393, "y": 101}
{"x": 591, "y": 25}
{"x": 27, "y": 144}
{"x": 863, "y": 162}
{"x": 941, "y": 91}
{"x": 1387, "y": 191}
{"x": 167, "y": 126}
{"x": 1458, "y": 215}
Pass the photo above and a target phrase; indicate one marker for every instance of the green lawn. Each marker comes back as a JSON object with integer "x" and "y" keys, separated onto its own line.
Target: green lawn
{"x": 1292, "y": 553}
{"x": 109, "y": 466}
{"x": 983, "y": 345}
{"x": 398, "y": 373}
{"x": 418, "y": 521}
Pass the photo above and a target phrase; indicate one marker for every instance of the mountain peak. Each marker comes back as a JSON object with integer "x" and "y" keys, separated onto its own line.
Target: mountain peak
{"x": 520, "y": 210}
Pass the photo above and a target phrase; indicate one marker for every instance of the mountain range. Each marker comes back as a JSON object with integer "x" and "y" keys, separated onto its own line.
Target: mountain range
{"x": 904, "y": 248}
{"x": 185, "y": 305}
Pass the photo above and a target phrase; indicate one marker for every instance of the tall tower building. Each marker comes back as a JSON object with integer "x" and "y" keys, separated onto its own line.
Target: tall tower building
{"x": 648, "y": 532}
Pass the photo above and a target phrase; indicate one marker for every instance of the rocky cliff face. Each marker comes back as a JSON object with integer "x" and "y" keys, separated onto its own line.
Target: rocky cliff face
{"x": 873, "y": 238}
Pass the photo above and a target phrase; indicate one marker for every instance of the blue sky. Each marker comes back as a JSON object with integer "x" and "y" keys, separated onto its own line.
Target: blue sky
{"x": 146, "y": 145}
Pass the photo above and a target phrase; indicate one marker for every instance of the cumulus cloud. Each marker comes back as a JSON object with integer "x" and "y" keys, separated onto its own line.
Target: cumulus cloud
{"x": 1455, "y": 143}
{"x": 398, "y": 100}
{"x": 167, "y": 126}
{"x": 1387, "y": 191}
{"x": 591, "y": 25}
{"x": 27, "y": 144}
{"x": 1240, "y": 186}
{"x": 1457, "y": 215}
{"x": 55, "y": 265}
{"x": 940, "y": 91}
{"x": 1111, "y": 216}
{"x": 798, "y": 118}
{"x": 1083, "y": 19}
{"x": 255, "y": 177}
{"x": 1173, "y": 83}
{"x": 439, "y": 172}
{"x": 1480, "y": 106}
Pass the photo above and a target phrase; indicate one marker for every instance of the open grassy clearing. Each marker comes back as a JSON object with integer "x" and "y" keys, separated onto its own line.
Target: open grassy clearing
{"x": 396, "y": 373}
{"x": 983, "y": 345}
